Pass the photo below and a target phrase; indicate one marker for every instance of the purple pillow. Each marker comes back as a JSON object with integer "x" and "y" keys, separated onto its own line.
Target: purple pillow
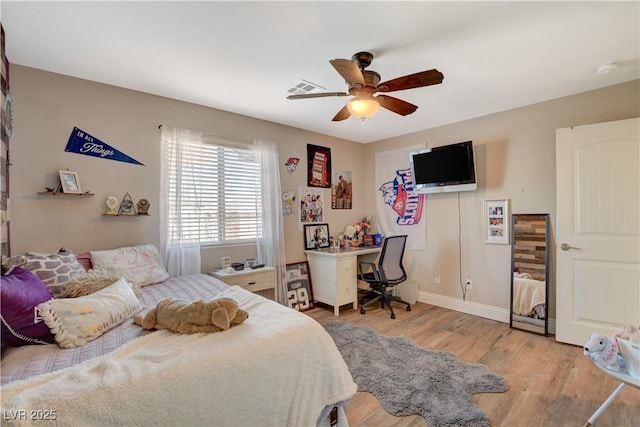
{"x": 20, "y": 292}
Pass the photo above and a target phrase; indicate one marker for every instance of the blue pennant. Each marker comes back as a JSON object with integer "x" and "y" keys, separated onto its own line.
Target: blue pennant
{"x": 82, "y": 143}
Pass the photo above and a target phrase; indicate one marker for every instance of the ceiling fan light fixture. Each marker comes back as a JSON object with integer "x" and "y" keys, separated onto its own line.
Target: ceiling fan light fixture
{"x": 363, "y": 107}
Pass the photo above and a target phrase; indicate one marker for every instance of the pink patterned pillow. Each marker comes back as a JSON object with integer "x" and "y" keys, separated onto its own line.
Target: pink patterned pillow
{"x": 140, "y": 265}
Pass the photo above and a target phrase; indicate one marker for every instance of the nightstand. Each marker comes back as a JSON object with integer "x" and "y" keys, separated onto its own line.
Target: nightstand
{"x": 260, "y": 280}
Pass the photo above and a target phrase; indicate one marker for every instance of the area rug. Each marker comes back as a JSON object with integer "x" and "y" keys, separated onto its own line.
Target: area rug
{"x": 408, "y": 379}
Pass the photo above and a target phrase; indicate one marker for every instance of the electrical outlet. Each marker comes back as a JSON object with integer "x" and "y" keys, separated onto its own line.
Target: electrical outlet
{"x": 436, "y": 279}
{"x": 468, "y": 284}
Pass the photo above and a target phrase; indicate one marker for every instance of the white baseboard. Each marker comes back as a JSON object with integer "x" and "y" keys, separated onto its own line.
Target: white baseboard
{"x": 481, "y": 310}
{"x": 477, "y": 309}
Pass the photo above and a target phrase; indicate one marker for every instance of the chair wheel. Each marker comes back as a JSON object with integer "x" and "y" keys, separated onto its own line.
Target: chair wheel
{"x": 408, "y": 308}
{"x": 362, "y": 310}
{"x": 393, "y": 315}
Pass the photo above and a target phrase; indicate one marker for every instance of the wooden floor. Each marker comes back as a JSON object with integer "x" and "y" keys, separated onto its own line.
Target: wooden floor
{"x": 550, "y": 384}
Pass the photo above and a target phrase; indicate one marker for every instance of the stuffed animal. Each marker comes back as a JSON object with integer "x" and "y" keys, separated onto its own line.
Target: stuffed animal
{"x": 603, "y": 351}
{"x": 190, "y": 317}
{"x": 630, "y": 333}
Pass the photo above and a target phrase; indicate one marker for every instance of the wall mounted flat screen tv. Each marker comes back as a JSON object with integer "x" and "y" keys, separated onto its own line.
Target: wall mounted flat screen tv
{"x": 444, "y": 169}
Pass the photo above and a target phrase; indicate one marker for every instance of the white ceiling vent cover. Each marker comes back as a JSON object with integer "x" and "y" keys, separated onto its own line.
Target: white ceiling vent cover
{"x": 305, "y": 87}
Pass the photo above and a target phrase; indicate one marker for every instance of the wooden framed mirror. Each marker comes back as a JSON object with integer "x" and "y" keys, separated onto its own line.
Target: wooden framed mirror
{"x": 530, "y": 272}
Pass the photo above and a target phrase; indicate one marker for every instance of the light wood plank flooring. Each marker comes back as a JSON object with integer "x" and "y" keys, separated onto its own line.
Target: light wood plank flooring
{"x": 550, "y": 384}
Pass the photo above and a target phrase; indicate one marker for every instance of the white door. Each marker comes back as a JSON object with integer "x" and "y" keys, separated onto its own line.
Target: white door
{"x": 598, "y": 224}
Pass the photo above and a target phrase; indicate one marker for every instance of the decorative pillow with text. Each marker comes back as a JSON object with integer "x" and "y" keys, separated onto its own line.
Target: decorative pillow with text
{"x": 76, "y": 321}
{"x": 141, "y": 265}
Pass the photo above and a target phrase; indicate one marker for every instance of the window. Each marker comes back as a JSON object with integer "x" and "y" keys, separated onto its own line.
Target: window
{"x": 214, "y": 192}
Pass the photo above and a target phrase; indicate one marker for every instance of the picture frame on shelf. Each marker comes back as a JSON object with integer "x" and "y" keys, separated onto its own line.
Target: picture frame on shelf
{"x": 299, "y": 288}
{"x": 496, "y": 221}
{"x": 316, "y": 236}
{"x": 127, "y": 207}
{"x": 69, "y": 182}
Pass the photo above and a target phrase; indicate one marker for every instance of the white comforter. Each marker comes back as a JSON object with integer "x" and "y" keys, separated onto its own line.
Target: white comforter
{"x": 527, "y": 295}
{"x": 278, "y": 368}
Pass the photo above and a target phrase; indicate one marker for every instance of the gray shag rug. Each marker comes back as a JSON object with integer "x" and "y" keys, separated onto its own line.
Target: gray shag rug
{"x": 408, "y": 379}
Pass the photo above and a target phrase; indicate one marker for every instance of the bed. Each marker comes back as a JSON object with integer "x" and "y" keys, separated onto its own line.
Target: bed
{"x": 529, "y": 303}
{"x": 277, "y": 368}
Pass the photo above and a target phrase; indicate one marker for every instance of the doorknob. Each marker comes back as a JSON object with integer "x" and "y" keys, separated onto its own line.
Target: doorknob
{"x": 566, "y": 247}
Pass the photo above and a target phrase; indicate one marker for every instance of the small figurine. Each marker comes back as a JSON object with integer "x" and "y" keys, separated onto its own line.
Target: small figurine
{"x": 143, "y": 207}
{"x": 112, "y": 202}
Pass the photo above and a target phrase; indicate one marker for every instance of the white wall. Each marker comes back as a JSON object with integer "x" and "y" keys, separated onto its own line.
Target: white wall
{"x": 49, "y": 105}
{"x": 515, "y": 160}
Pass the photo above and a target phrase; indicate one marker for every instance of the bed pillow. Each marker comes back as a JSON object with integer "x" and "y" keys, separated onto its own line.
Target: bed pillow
{"x": 90, "y": 282}
{"x": 20, "y": 293}
{"x": 76, "y": 321}
{"x": 53, "y": 269}
{"x": 141, "y": 265}
{"x": 85, "y": 260}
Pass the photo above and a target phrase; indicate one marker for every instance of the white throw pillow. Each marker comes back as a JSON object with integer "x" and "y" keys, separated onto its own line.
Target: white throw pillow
{"x": 141, "y": 265}
{"x": 76, "y": 321}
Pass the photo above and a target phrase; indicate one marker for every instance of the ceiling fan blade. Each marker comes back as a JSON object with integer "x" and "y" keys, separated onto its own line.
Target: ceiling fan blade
{"x": 316, "y": 95}
{"x": 343, "y": 114}
{"x": 349, "y": 70}
{"x": 424, "y": 78}
{"x": 396, "y": 105}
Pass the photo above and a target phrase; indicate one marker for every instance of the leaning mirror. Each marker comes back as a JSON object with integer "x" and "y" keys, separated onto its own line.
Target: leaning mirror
{"x": 530, "y": 272}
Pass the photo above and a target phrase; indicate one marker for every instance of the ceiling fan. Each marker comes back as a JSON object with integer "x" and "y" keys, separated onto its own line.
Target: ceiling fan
{"x": 365, "y": 84}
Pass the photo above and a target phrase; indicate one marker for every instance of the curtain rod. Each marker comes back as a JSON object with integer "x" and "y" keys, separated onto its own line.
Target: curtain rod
{"x": 216, "y": 135}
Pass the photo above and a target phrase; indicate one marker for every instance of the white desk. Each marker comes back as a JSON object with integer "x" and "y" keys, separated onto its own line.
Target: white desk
{"x": 334, "y": 274}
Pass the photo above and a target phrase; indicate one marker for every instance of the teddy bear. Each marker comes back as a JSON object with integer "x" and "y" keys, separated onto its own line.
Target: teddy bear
{"x": 603, "y": 351}
{"x": 190, "y": 317}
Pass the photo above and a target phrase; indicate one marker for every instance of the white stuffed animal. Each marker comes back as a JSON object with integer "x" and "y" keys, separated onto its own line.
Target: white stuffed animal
{"x": 603, "y": 351}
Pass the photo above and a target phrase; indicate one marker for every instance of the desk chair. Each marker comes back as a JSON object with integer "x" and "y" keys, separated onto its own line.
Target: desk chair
{"x": 383, "y": 279}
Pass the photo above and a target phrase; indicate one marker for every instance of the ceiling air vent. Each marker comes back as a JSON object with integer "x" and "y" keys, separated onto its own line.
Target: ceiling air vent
{"x": 304, "y": 87}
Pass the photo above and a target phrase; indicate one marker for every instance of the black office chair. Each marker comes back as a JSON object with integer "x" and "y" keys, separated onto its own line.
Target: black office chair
{"x": 383, "y": 279}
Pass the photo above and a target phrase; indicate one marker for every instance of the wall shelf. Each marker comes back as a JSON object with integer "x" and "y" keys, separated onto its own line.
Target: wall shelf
{"x": 118, "y": 215}
{"x": 53, "y": 193}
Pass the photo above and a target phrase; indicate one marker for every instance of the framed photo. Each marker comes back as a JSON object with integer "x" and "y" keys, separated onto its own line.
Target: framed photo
{"x": 299, "y": 290}
{"x": 225, "y": 261}
{"x": 496, "y": 221}
{"x": 70, "y": 182}
{"x": 316, "y": 236}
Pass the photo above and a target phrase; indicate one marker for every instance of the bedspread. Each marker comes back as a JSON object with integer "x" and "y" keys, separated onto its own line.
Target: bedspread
{"x": 27, "y": 361}
{"x": 278, "y": 368}
{"x": 527, "y": 294}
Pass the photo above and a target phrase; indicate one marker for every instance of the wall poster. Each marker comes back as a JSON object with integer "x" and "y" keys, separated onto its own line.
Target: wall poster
{"x": 319, "y": 166}
{"x": 299, "y": 290}
{"x": 341, "y": 194}
{"x": 311, "y": 205}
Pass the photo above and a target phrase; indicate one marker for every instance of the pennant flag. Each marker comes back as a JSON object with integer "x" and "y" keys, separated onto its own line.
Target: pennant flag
{"x": 82, "y": 143}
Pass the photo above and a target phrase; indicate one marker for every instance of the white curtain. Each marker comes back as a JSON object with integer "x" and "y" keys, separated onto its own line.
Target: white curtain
{"x": 181, "y": 257}
{"x": 271, "y": 249}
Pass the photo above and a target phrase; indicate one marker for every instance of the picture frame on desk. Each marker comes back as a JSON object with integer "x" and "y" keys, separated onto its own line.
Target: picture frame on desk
{"x": 299, "y": 289}
{"x": 316, "y": 236}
